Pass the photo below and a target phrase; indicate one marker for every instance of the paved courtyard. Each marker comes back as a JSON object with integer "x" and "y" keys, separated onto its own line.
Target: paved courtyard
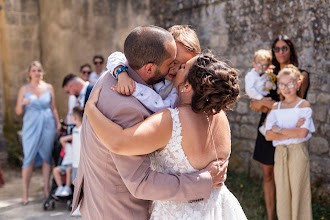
{"x": 10, "y": 198}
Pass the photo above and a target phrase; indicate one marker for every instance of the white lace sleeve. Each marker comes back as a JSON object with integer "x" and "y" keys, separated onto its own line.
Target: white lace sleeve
{"x": 114, "y": 60}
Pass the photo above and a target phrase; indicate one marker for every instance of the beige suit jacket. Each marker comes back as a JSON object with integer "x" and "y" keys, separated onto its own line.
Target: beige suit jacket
{"x": 111, "y": 186}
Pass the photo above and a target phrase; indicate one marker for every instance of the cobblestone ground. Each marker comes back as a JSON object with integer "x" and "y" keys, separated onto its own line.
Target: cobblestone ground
{"x": 10, "y": 198}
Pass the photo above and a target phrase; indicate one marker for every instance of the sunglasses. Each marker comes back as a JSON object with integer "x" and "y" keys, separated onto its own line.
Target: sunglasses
{"x": 290, "y": 85}
{"x": 278, "y": 49}
{"x": 101, "y": 62}
{"x": 86, "y": 72}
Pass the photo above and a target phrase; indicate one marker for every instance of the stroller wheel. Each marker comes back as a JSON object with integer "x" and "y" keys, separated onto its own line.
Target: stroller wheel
{"x": 52, "y": 204}
{"x": 46, "y": 205}
{"x": 69, "y": 205}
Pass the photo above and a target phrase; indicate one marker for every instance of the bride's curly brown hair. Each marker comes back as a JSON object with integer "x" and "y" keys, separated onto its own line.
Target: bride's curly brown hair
{"x": 215, "y": 84}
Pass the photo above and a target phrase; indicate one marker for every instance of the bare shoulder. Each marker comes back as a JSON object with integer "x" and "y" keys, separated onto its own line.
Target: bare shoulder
{"x": 275, "y": 105}
{"x": 22, "y": 89}
{"x": 304, "y": 104}
{"x": 162, "y": 117}
{"x": 222, "y": 119}
{"x": 49, "y": 86}
{"x": 304, "y": 74}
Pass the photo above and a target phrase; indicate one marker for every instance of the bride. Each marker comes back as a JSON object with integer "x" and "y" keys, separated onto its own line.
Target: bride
{"x": 184, "y": 139}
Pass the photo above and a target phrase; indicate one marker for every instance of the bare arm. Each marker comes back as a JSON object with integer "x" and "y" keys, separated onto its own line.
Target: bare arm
{"x": 143, "y": 138}
{"x": 285, "y": 133}
{"x": 53, "y": 108}
{"x": 65, "y": 139}
{"x": 281, "y": 134}
{"x": 21, "y": 101}
{"x": 304, "y": 84}
{"x": 259, "y": 105}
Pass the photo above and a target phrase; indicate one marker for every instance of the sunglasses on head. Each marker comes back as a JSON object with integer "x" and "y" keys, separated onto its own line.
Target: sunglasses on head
{"x": 278, "y": 49}
{"x": 86, "y": 72}
{"x": 95, "y": 63}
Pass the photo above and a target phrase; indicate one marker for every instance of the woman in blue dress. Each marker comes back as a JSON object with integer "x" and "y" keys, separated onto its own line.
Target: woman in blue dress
{"x": 40, "y": 123}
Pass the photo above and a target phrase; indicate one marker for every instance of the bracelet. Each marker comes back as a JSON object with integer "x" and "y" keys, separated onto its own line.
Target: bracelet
{"x": 119, "y": 70}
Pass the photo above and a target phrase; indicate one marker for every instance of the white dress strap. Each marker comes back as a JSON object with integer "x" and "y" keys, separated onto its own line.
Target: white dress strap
{"x": 279, "y": 105}
{"x": 299, "y": 103}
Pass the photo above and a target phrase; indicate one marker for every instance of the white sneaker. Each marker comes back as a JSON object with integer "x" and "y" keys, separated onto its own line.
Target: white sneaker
{"x": 66, "y": 191}
{"x": 262, "y": 130}
{"x": 59, "y": 191}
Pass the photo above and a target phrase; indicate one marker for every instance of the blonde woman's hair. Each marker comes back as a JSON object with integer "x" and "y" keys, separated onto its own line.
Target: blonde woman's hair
{"x": 289, "y": 70}
{"x": 37, "y": 64}
{"x": 187, "y": 37}
{"x": 263, "y": 54}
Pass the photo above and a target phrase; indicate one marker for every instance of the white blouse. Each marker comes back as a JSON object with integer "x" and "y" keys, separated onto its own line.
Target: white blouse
{"x": 288, "y": 118}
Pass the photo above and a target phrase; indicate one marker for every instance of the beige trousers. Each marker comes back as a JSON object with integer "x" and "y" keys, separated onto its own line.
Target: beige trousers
{"x": 292, "y": 180}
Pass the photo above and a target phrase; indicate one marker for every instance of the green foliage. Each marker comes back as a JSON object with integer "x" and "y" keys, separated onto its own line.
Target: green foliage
{"x": 250, "y": 194}
{"x": 15, "y": 150}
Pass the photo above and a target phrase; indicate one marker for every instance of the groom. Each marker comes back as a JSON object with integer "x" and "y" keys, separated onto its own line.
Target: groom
{"x": 110, "y": 186}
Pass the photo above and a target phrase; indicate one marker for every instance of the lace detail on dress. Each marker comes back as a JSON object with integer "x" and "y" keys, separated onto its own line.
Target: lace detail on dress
{"x": 172, "y": 159}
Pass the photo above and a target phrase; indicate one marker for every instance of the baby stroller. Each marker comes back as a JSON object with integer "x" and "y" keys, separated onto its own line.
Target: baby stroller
{"x": 58, "y": 154}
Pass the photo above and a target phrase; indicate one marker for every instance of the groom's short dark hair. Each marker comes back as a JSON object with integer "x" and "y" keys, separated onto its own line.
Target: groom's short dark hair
{"x": 146, "y": 44}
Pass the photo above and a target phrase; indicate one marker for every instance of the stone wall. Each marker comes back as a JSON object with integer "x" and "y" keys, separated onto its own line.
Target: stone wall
{"x": 64, "y": 34}
{"x": 234, "y": 30}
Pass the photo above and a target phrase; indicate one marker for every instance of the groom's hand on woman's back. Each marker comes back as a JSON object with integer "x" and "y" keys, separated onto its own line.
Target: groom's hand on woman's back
{"x": 218, "y": 173}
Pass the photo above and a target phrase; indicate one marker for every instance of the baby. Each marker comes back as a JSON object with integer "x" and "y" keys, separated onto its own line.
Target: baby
{"x": 260, "y": 80}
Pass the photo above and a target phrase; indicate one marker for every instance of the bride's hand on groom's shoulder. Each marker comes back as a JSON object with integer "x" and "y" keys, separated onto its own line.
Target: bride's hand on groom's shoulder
{"x": 92, "y": 100}
{"x": 218, "y": 173}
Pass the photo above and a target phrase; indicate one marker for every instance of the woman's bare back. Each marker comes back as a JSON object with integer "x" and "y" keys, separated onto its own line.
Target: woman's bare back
{"x": 197, "y": 140}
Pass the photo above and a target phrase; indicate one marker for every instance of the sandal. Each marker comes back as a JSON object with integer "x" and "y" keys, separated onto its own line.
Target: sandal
{"x": 24, "y": 203}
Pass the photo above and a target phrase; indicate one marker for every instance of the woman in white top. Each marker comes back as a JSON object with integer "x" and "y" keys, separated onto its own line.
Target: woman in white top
{"x": 184, "y": 139}
{"x": 291, "y": 169}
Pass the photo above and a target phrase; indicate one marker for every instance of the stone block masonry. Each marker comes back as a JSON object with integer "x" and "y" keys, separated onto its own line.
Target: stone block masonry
{"x": 65, "y": 34}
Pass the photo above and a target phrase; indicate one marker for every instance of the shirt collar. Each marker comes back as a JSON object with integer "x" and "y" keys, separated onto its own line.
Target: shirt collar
{"x": 84, "y": 89}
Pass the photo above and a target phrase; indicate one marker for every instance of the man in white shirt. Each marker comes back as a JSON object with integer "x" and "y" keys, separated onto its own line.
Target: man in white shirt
{"x": 78, "y": 88}
{"x": 98, "y": 61}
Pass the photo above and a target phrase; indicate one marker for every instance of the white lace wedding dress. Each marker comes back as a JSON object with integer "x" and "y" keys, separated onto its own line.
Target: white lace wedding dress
{"x": 222, "y": 204}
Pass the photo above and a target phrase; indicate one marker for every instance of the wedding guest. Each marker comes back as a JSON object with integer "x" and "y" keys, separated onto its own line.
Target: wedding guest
{"x": 283, "y": 53}
{"x": 85, "y": 71}
{"x": 258, "y": 82}
{"x": 291, "y": 169}
{"x": 40, "y": 122}
{"x": 98, "y": 61}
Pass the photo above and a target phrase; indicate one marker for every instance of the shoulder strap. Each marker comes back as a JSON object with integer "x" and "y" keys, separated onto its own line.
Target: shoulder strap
{"x": 279, "y": 105}
{"x": 88, "y": 92}
{"x": 299, "y": 103}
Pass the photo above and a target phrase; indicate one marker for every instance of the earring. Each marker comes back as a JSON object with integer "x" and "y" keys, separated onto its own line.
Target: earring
{"x": 181, "y": 90}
